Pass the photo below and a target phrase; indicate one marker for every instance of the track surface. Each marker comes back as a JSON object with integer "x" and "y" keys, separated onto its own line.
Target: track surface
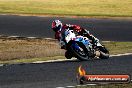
{"x": 104, "y": 29}
{"x": 59, "y": 74}
{"x": 51, "y": 75}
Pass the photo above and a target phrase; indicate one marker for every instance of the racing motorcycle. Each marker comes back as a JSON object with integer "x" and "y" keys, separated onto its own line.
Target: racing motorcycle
{"x": 81, "y": 47}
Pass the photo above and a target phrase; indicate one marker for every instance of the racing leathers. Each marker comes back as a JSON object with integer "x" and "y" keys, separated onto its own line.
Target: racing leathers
{"x": 60, "y": 35}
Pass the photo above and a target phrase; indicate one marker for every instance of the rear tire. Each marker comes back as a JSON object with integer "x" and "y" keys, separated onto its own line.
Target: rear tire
{"x": 104, "y": 53}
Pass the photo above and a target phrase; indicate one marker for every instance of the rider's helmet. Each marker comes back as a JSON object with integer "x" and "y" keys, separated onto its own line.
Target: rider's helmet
{"x": 56, "y": 25}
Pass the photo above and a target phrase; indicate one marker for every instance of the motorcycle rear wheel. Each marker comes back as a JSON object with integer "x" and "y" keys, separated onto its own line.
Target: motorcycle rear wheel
{"x": 104, "y": 53}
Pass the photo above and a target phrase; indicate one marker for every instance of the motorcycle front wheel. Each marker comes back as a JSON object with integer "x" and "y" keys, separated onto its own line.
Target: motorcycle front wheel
{"x": 81, "y": 53}
{"x": 68, "y": 54}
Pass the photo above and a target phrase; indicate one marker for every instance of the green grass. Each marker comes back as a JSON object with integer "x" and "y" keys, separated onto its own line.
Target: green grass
{"x": 119, "y": 47}
{"x": 68, "y": 7}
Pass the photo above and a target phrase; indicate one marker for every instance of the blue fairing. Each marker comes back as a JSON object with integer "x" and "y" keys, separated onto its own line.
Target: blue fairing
{"x": 75, "y": 46}
{"x": 80, "y": 39}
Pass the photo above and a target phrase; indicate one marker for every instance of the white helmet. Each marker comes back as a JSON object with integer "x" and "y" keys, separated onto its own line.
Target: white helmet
{"x": 56, "y": 25}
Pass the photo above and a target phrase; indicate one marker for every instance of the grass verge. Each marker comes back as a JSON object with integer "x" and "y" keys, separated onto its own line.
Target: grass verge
{"x": 14, "y": 50}
{"x": 119, "y": 47}
{"x": 110, "y": 8}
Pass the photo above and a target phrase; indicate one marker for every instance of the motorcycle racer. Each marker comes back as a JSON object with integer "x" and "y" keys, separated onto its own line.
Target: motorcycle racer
{"x": 60, "y": 29}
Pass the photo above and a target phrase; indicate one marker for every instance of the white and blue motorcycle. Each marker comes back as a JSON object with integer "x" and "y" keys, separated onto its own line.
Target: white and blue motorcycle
{"x": 81, "y": 48}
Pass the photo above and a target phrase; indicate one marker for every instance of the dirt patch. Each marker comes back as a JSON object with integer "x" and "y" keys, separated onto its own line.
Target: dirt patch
{"x": 21, "y": 48}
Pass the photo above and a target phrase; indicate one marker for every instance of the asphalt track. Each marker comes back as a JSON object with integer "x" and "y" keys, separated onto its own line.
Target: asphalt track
{"x": 33, "y": 26}
{"x": 59, "y": 74}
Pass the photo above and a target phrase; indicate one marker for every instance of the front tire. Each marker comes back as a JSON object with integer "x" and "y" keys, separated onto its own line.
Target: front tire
{"x": 81, "y": 55}
{"x": 68, "y": 54}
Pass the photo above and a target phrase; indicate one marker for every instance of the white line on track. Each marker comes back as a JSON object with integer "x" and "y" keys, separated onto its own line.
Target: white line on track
{"x": 77, "y": 86}
{"x": 58, "y": 60}
{"x": 74, "y": 59}
{"x": 121, "y": 55}
{"x": 13, "y": 36}
{"x": 70, "y": 86}
{"x": 80, "y": 85}
{"x": 32, "y": 37}
{"x": 1, "y": 65}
